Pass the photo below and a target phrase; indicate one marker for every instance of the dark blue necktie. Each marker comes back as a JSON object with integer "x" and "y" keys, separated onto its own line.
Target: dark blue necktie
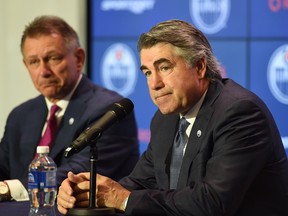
{"x": 180, "y": 141}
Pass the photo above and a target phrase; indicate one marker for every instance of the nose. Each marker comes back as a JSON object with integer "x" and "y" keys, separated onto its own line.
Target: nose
{"x": 155, "y": 82}
{"x": 44, "y": 69}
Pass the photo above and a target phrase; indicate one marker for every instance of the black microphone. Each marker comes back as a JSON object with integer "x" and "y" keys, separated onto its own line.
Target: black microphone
{"x": 117, "y": 112}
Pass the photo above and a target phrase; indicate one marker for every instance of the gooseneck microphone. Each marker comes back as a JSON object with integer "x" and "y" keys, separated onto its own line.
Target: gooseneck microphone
{"x": 117, "y": 112}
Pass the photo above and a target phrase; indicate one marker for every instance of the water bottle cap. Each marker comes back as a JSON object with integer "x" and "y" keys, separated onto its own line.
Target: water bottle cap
{"x": 42, "y": 149}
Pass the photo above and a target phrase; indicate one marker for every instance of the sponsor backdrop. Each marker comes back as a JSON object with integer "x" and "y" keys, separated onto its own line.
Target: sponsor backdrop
{"x": 250, "y": 39}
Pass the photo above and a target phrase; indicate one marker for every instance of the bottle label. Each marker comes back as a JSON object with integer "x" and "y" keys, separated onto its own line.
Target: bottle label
{"x": 41, "y": 180}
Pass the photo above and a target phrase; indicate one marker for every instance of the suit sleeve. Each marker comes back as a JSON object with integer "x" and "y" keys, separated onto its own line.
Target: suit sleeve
{"x": 240, "y": 140}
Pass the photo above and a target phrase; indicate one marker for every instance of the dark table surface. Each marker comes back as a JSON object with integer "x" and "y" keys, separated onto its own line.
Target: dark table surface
{"x": 13, "y": 208}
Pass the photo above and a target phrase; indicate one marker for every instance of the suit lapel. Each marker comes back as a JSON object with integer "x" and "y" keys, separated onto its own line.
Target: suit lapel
{"x": 68, "y": 126}
{"x": 168, "y": 139}
{"x": 71, "y": 119}
{"x": 198, "y": 132}
{"x": 194, "y": 144}
{"x": 163, "y": 132}
{"x": 33, "y": 128}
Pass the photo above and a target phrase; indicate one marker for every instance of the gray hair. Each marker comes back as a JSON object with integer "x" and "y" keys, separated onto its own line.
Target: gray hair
{"x": 191, "y": 44}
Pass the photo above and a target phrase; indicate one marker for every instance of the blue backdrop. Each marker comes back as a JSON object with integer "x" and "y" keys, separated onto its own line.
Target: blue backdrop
{"x": 250, "y": 39}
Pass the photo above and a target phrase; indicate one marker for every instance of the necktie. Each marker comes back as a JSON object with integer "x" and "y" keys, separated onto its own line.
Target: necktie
{"x": 180, "y": 140}
{"x": 51, "y": 128}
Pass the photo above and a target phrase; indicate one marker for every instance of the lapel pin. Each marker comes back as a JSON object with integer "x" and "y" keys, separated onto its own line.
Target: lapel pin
{"x": 199, "y": 133}
{"x": 71, "y": 121}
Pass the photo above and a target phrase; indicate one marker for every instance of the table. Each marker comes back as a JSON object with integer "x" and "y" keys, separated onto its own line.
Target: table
{"x": 14, "y": 208}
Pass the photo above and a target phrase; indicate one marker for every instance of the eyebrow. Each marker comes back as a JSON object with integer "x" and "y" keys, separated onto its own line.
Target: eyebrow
{"x": 156, "y": 63}
{"x": 30, "y": 57}
{"x": 51, "y": 52}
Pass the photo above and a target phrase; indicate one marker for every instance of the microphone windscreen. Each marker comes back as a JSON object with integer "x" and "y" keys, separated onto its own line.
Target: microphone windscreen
{"x": 122, "y": 108}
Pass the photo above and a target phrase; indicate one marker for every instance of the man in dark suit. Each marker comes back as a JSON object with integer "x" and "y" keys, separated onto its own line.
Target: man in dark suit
{"x": 53, "y": 56}
{"x": 234, "y": 161}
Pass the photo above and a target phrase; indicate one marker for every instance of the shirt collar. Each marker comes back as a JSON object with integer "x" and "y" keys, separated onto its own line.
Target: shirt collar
{"x": 63, "y": 103}
{"x": 192, "y": 113}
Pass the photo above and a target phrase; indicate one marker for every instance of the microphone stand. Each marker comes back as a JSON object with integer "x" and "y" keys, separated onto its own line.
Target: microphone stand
{"x": 92, "y": 209}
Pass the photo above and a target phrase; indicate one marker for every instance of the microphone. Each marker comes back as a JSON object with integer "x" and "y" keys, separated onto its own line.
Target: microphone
{"x": 117, "y": 112}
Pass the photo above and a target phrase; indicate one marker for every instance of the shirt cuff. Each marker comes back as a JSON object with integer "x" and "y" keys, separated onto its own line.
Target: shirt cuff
{"x": 124, "y": 204}
{"x": 17, "y": 190}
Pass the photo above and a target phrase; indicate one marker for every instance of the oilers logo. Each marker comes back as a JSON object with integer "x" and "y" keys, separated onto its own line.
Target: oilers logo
{"x": 209, "y": 15}
{"x": 277, "y": 74}
{"x": 118, "y": 70}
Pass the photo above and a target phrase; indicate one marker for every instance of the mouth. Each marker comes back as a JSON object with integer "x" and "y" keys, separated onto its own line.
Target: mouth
{"x": 49, "y": 84}
{"x": 162, "y": 98}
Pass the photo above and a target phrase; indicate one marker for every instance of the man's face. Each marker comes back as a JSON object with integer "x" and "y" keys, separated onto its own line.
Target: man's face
{"x": 53, "y": 68}
{"x": 174, "y": 86}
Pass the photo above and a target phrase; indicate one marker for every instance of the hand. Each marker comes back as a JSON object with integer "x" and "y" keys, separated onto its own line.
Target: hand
{"x": 74, "y": 191}
{"x": 110, "y": 193}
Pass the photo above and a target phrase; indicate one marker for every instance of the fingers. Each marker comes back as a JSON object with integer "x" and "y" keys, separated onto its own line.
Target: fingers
{"x": 78, "y": 178}
{"x": 83, "y": 204}
{"x": 85, "y": 176}
{"x": 65, "y": 193}
{"x": 74, "y": 192}
{"x": 62, "y": 210}
{"x": 65, "y": 199}
{"x": 81, "y": 187}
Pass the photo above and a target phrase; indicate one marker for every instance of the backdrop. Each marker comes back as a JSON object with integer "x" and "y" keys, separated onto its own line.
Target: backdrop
{"x": 249, "y": 38}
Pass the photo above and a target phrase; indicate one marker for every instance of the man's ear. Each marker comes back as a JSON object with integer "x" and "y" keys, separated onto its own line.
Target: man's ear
{"x": 80, "y": 56}
{"x": 201, "y": 67}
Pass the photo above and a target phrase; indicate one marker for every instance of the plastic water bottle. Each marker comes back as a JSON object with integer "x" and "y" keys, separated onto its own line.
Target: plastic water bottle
{"x": 42, "y": 186}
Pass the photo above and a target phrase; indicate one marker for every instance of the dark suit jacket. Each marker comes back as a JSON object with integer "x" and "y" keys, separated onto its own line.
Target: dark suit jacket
{"x": 234, "y": 164}
{"x": 117, "y": 148}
